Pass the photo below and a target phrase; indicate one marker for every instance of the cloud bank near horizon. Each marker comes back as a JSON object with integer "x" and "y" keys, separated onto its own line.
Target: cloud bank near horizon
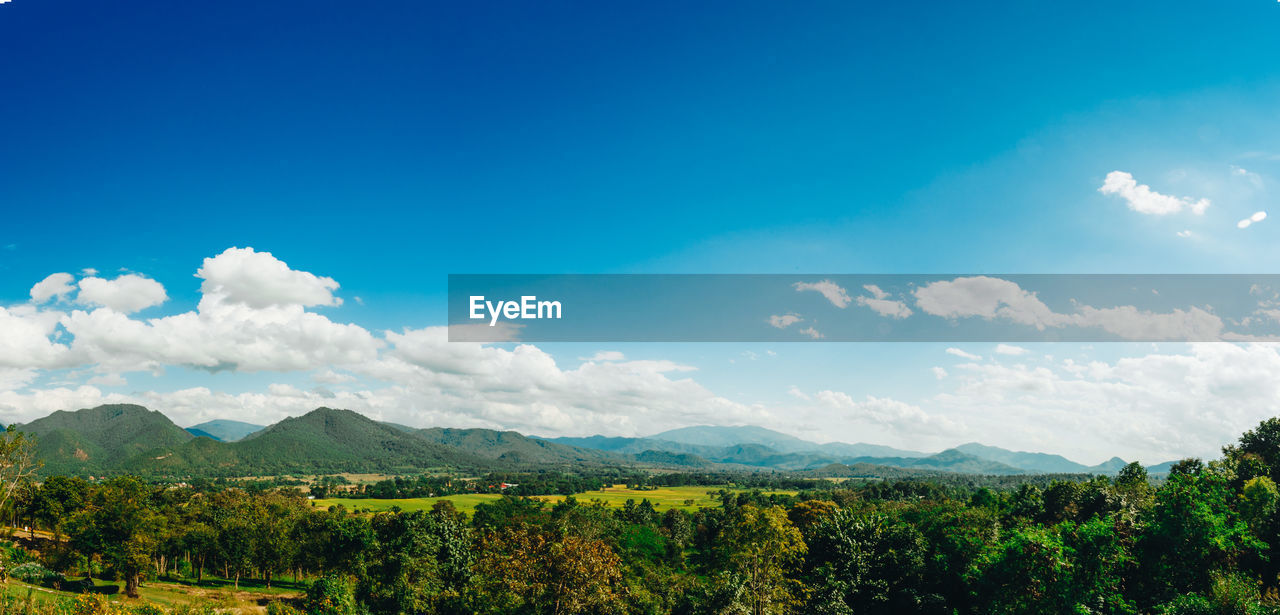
{"x": 81, "y": 339}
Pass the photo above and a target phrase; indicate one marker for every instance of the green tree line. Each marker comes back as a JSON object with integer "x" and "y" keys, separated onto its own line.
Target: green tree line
{"x": 1206, "y": 540}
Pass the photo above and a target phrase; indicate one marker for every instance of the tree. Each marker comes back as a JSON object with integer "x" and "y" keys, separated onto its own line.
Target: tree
{"x": 403, "y": 575}
{"x": 529, "y": 571}
{"x": 119, "y": 525}
{"x": 17, "y": 462}
{"x": 867, "y": 563}
{"x": 1191, "y": 533}
{"x": 762, "y": 546}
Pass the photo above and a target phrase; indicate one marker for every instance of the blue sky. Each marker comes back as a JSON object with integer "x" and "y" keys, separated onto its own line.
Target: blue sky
{"x": 385, "y": 147}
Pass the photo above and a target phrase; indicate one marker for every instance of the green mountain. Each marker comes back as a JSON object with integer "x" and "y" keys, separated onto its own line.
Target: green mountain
{"x": 512, "y": 446}
{"x": 94, "y": 440}
{"x": 327, "y": 439}
{"x": 224, "y": 430}
{"x": 127, "y": 438}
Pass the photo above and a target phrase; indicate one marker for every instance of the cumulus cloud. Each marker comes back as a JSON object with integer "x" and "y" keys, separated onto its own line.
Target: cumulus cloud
{"x": 1011, "y": 350}
{"x": 888, "y": 412}
{"x": 785, "y": 320}
{"x": 813, "y": 333}
{"x": 1185, "y": 234}
{"x": 885, "y": 307}
{"x": 25, "y": 343}
{"x": 260, "y": 280}
{"x": 963, "y": 355}
{"x": 997, "y": 299}
{"x": 1258, "y": 216}
{"x": 1159, "y": 405}
{"x": 56, "y": 285}
{"x": 838, "y": 296}
{"x": 1142, "y": 199}
{"x": 939, "y": 372}
{"x": 125, "y": 294}
{"x": 606, "y": 355}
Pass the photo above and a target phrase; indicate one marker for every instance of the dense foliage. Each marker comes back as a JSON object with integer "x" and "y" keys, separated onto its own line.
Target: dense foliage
{"x": 1206, "y": 540}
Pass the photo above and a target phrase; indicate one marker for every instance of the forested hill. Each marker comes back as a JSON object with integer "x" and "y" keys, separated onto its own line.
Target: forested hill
{"x": 88, "y": 441}
{"x": 115, "y": 439}
{"x": 123, "y": 438}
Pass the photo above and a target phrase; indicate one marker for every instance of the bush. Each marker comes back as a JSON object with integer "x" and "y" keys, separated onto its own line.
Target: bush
{"x": 331, "y": 595}
{"x": 277, "y": 607}
{"x": 36, "y": 574}
{"x": 90, "y": 604}
{"x": 1231, "y": 594}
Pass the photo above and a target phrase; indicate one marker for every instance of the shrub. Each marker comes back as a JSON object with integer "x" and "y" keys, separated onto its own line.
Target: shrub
{"x": 36, "y": 574}
{"x": 277, "y": 607}
{"x": 331, "y": 595}
{"x": 90, "y": 604}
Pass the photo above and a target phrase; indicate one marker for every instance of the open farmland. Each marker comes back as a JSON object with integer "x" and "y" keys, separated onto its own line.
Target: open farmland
{"x": 616, "y": 496}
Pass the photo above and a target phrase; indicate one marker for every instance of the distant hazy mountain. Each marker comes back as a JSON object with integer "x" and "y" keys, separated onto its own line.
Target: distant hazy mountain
{"x": 224, "y": 430}
{"x": 773, "y": 450}
{"x": 711, "y": 435}
{"x": 1032, "y": 462}
{"x": 1111, "y": 466}
{"x": 718, "y": 436}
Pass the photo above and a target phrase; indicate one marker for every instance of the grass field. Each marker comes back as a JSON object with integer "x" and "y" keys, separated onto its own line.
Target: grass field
{"x": 251, "y": 595}
{"x": 662, "y": 499}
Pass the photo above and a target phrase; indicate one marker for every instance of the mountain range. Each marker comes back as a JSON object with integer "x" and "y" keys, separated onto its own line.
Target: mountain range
{"x": 122, "y": 438}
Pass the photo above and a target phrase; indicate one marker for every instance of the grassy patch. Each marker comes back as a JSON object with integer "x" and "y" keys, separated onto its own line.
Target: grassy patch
{"x": 662, "y": 498}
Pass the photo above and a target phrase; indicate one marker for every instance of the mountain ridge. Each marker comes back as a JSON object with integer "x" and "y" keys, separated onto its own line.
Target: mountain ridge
{"x": 131, "y": 438}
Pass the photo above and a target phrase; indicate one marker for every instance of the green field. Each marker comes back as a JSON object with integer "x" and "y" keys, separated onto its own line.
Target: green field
{"x": 169, "y": 593}
{"x": 662, "y": 499}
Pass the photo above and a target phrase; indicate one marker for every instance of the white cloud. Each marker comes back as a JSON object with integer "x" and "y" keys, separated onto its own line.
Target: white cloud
{"x": 1159, "y": 406}
{"x": 795, "y": 392}
{"x": 125, "y": 294}
{"x": 1011, "y": 350}
{"x": 1258, "y": 216}
{"x": 1142, "y": 199}
{"x": 785, "y": 320}
{"x": 832, "y": 291}
{"x": 963, "y": 355}
{"x": 880, "y": 303}
{"x": 890, "y": 413}
{"x": 1254, "y": 179}
{"x": 329, "y": 376}
{"x": 55, "y": 285}
{"x": 993, "y": 298}
{"x": 813, "y": 333}
{"x": 939, "y": 372}
{"x": 886, "y": 307}
{"x": 25, "y": 342}
{"x": 1185, "y": 234}
{"x": 606, "y": 355}
{"x": 260, "y": 280}
{"x": 985, "y": 297}
{"x": 110, "y": 380}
